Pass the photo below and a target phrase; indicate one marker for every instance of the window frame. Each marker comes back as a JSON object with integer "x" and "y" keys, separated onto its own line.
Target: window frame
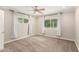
{"x": 55, "y": 22}
{"x": 52, "y": 19}
{"x": 45, "y": 23}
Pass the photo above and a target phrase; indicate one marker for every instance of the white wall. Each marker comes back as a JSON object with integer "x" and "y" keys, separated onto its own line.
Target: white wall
{"x": 10, "y": 20}
{"x": 77, "y": 27}
{"x": 32, "y": 24}
{"x": 53, "y": 31}
{"x": 13, "y": 29}
{"x": 20, "y": 29}
{"x": 68, "y": 25}
{"x": 37, "y": 26}
{"x": 8, "y": 24}
{"x": 66, "y": 28}
{"x": 1, "y": 29}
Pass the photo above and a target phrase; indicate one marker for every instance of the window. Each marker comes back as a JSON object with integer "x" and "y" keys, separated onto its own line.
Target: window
{"x": 22, "y": 20}
{"x": 51, "y": 23}
{"x": 47, "y": 23}
{"x": 25, "y": 20}
{"x": 54, "y": 23}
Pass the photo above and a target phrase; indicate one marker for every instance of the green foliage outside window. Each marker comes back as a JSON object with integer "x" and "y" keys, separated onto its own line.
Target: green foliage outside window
{"x": 47, "y": 23}
{"x": 54, "y": 23}
{"x": 51, "y": 23}
{"x": 22, "y": 20}
{"x": 25, "y": 20}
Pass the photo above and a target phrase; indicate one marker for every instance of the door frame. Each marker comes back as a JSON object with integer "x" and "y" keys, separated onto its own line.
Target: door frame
{"x": 2, "y": 33}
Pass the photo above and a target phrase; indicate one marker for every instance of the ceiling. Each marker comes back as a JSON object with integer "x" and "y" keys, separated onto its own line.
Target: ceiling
{"x": 48, "y": 9}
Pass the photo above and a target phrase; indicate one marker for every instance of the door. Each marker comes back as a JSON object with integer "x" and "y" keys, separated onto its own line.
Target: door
{"x": 1, "y": 29}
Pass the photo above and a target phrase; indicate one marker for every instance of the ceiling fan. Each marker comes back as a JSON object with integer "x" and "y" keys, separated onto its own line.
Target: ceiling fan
{"x": 36, "y": 9}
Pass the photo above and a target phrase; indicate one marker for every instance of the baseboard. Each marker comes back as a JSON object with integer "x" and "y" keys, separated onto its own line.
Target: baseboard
{"x": 66, "y": 39}
{"x": 77, "y": 45}
{"x": 16, "y": 39}
{"x": 58, "y": 37}
{"x": 39, "y": 34}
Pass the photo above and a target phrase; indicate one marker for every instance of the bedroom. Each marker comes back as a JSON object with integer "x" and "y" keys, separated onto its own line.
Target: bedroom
{"x": 39, "y": 29}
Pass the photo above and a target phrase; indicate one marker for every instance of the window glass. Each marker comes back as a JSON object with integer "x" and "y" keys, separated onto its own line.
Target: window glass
{"x": 47, "y": 23}
{"x": 20, "y": 20}
{"x": 25, "y": 20}
{"x": 51, "y": 23}
{"x": 54, "y": 23}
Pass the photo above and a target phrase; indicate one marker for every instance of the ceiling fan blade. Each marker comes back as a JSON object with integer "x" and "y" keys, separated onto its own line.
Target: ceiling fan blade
{"x": 39, "y": 11}
{"x": 42, "y": 9}
{"x": 35, "y": 9}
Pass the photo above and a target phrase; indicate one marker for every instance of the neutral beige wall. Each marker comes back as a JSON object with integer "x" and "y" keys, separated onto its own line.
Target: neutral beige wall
{"x": 77, "y": 27}
{"x": 68, "y": 30}
{"x": 38, "y": 24}
{"x": 8, "y": 19}
{"x": 32, "y": 25}
{"x": 53, "y": 32}
{"x": 68, "y": 25}
{"x": 20, "y": 29}
{"x": 1, "y": 29}
{"x": 35, "y": 25}
{"x": 9, "y": 26}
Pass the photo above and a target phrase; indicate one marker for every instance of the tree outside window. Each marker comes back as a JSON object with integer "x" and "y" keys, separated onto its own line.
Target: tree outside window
{"x": 51, "y": 23}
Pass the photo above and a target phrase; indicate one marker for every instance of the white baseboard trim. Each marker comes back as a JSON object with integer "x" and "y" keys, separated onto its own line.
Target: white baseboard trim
{"x": 77, "y": 45}
{"x": 38, "y": 34}
{"x": 66, "y": 39}
{"x": 58, "y": 37}
{"x": 16, "y": 39}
